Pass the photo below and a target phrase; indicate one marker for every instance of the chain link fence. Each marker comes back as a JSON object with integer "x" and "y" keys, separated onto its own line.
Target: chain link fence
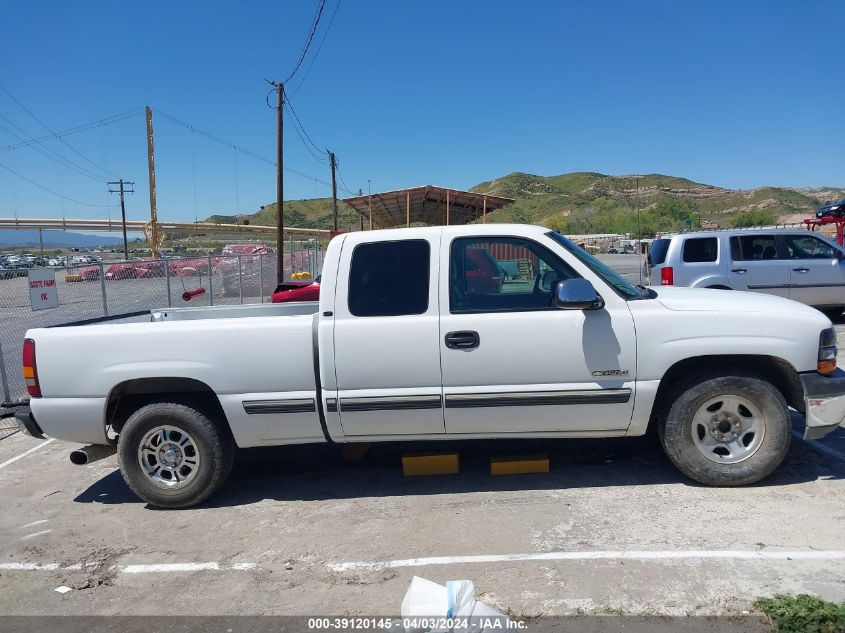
{"x": 126, "y": 288}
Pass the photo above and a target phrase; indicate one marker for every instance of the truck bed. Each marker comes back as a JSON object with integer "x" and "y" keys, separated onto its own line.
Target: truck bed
{"x": 293, "y": 308}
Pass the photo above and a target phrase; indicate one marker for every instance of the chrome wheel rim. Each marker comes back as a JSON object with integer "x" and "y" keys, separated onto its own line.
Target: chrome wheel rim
{"x": 169, "y": 457}
{"x": 728, "y": 429}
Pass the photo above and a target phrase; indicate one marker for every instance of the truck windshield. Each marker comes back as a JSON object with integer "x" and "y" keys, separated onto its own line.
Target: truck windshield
{"x": 610, "y": 276}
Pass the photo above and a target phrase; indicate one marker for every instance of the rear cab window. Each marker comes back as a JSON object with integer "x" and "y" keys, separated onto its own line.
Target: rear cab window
{"x": 389, "y": 278}
{"x": 701, "y": 250}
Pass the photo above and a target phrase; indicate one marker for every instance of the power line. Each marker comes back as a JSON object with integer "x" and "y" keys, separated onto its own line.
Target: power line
{"x": 302, "y": 127}
{"x": 50, "y": 191}
{"x": 221, "y": 141}
{"x": 299, "y": 132}
{"x": 314, "y": 23}
{"x": 75, "y": 130}
{"x": 342, "y": 181}
{"x": 52, "y": 155}
{"x": 61, "y": 140}
{"x": 319, "y": 48}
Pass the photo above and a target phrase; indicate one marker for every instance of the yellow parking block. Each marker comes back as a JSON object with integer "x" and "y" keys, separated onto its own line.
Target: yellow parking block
{"x": 430, "y": 464}
{"x": 519, "y": 465}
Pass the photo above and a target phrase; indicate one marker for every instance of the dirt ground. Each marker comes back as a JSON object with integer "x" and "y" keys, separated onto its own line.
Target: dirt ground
{"x": 299, "y": 531}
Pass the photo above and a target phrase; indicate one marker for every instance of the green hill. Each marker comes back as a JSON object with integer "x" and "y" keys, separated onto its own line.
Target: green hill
{"x": 588, "y": 202}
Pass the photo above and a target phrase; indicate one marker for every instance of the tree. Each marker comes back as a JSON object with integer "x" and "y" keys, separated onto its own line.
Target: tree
{"x": 758, "y": 217}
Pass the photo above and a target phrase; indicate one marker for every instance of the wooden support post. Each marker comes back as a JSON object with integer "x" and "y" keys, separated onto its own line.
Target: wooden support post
{"x": 151, "y": 167}
{"x": 484, "y": 221}
{"x": 408, "y": 208}
{"x": 447, "y": 207}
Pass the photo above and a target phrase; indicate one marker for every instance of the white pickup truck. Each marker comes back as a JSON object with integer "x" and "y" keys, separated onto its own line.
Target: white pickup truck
{"x": 482, "y": 331}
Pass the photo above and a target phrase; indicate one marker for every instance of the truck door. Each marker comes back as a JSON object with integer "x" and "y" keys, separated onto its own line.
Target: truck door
{"x": 757, "y": 265}
{"x": 386, "y": 353}
{"x": 816, "y": 273}
{"x": 515, "y": 364}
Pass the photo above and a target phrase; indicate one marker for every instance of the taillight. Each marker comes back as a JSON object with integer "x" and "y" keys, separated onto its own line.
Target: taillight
{"x": 667, "y": 276}
{"x": 30, "y": 371}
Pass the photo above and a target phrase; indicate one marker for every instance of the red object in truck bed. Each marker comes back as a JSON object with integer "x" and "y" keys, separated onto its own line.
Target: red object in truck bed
{"x": 297, "y": 291}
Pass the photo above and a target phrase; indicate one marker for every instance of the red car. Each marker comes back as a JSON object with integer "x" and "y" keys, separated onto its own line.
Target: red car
{"x": 307, "y": 290}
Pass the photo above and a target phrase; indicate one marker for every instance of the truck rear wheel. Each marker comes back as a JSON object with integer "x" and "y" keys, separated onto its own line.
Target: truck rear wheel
{"x": 173, "y": 456}
{"x": 726, "y": 429}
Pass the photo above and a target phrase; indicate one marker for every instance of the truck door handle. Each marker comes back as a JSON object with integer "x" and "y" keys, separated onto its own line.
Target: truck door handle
{"x": 741, "y": 271}
{"x": 801, "y": 270}
{"x": 465, "y": 339}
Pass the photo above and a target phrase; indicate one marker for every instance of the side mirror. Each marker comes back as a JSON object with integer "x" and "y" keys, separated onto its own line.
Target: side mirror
{"x": 577, "y": 294}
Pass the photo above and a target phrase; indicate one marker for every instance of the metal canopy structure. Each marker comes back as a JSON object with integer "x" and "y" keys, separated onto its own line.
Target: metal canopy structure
{"x": 425, "y": 205}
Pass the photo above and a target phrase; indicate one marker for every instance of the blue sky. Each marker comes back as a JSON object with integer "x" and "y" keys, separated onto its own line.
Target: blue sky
{"x": 732, "y": 93}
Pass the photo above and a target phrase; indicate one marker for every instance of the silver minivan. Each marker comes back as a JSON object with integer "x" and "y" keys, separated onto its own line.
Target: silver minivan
{"x": 792, "y": 263}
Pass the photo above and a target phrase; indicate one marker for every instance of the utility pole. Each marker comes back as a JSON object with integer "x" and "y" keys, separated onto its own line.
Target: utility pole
{"x": 122, "y": 188}
{"x": 151, "y": 166}
{"x": 334, "y": 191}
{"x": 280, "y": 211}
{"x": 370, "y": 202}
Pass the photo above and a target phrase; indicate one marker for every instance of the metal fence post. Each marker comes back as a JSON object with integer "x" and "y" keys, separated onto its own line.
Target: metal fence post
{"x": 210, "y": 282}
{"x": 261, "y": 274}
{"x": 3, "y": 379}
{"x": 240, "y": 279}
{"x": 167, "y": 278}
{"x": 103, "y": 289}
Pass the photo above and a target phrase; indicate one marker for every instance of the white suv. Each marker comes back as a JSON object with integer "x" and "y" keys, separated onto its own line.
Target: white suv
{"x": 791, "y": 263}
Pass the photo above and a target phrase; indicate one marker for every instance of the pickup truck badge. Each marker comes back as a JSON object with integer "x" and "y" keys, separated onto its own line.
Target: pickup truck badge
{"x": 604, "y": 373}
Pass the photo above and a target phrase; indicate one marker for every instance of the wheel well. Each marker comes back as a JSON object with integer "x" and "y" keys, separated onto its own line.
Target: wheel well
{"x": 776, "y": 371}
{"x": 129, "y": 396}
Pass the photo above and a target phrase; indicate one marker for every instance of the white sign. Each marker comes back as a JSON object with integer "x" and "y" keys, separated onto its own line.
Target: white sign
{"x": 42, "y": 288}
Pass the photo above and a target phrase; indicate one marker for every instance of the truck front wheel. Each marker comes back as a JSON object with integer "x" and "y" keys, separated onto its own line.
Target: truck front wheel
{"x": 173, "y": 456}
{"x": 726, "y": 429}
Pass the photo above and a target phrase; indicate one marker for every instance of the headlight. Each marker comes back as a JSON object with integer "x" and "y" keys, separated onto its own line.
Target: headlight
{"x": 827, "y": 352}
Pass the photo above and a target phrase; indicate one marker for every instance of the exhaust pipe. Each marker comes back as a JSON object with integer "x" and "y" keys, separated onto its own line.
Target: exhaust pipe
{"x": 88, "y": 454}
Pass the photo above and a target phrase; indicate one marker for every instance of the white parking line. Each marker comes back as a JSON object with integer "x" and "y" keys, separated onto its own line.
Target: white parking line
{"x": 33, "y": 524}
{"x": 24, "y": 454}
{"x": 182, "y": 567}
{"x": 34, "y": 534}
{"x": 595, "y": 555}
{"x": 159, "y": 568}
{"x": 821, "y": 448}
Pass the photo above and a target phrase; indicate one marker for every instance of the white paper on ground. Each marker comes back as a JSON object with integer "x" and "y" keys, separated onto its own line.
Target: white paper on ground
{"x": 426, "y": 599}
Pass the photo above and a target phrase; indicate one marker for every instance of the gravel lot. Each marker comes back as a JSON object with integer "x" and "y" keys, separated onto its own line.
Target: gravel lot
{"x": 299, "y": 531}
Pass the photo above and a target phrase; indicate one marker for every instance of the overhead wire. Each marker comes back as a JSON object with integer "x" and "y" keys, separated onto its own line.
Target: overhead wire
{"x": 317, "y": 52}
{"x": 75, "y": 130}
{"x": 298, "y": 122}
{"x": 61, "y": 140}
{"x": 238, "y": 148}
{"x": 310, "y": 37}
{"x": 50, "y": 153}
{"x": 50, "y": 191}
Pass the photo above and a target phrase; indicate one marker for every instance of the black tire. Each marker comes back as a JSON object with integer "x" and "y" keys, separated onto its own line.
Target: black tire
{"x": 675, "y": 428}
{"x": 210, "y": 445}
